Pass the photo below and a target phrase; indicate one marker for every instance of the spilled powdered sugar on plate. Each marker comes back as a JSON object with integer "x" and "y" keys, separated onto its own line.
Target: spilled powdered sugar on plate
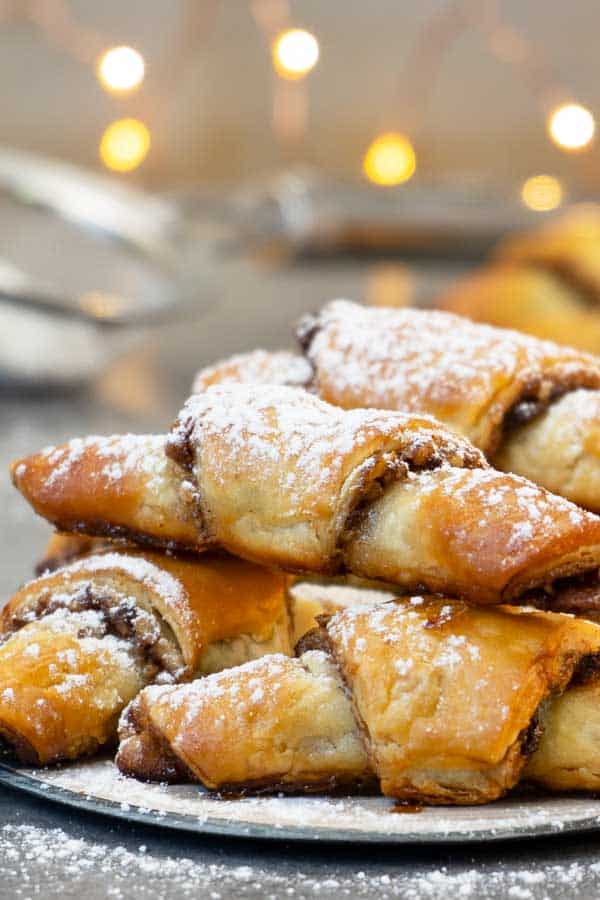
{"x": 361, "y": 818}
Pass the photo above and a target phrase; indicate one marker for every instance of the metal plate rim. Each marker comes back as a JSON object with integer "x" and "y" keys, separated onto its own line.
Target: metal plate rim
{"x": 19, "y": 781}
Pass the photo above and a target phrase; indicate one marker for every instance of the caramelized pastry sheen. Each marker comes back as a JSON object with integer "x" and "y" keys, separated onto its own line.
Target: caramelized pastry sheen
{"x": 447, "y": 702}
{"x": 80, "y": 642}
{"x": 468, "y": 376}
{"x": 120, "y": 487}
{"x": 497, "y": 387}
{"x": 256, "y": 367}
{"x": 63, "y": 682}
{"x": 275, "y": 475}
{"x": 277, "y": 722}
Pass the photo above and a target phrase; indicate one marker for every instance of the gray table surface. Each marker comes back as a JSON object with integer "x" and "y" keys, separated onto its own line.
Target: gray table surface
{"x": 47, "y": 851}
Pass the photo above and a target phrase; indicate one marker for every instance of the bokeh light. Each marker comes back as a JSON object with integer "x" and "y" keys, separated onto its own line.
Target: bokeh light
{"x": 541, "y": 193}
{"x": 571, "y": 126}
{"x": 390, "y": 159}
{"x": 124, "y": 145}
{"x": 121, "y": 69}
{"x": 295, "y": 53}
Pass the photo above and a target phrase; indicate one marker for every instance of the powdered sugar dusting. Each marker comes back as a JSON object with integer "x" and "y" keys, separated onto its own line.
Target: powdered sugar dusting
{"x": 240, "y": 686}
{"x": 403, "y": 624}
{"x": 491, "y": 507}
{"x": 351, "y": 816}
{"x": 119, "y": 456}
{"x": 120, "y": 871}
{"x": 257, "y": 367}
{"x": 293, "y": 437}
{"x": 93, "y": 641}
{"x": 171, "y": 590}
{"x": 426, "y": 360}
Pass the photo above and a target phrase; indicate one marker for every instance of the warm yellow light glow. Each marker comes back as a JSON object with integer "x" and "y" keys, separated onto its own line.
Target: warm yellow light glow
{"x": 121, "y": 69}
{"x": 390, "y": 160}
{"x": 295, "y": 53}
{"x": 542, "y": 192}
{"x": 124, "y": 145}
{"x": 571, "y": 126}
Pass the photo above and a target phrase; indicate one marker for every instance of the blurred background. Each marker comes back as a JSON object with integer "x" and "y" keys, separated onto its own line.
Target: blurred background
{"x": 161, "y": 163}
{"x": 471, "y": 84}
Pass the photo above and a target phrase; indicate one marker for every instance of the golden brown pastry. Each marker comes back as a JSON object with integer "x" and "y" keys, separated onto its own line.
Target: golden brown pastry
{"x": 63, "y": 547}
{"x": 280, "y": 723}
{"x": 275, "y": 475}
{"x": 518, "y": 399}
{"x": 568, "y": 246}
{"x": 527, "y": 298}
{"x": 64, "y": 680}
{"x": 144, "y": 754}
{"x": 443, "y": 702}
{"x": 559, "y": 447}
{"x": 568, "y": 755}
{"x": 256, "y": 367}
{"x": 312, "y": 599}
{"x": 118, "y": 487}
{"x": 545, "y": 282}
{"x": 469, "y": 376}
{"x": 79, "y": 643}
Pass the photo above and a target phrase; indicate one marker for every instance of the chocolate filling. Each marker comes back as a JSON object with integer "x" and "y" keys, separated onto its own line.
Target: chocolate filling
{"x": 315, "y": 639}
{"x": 530, "y": 737}
{"x": 122, "y": 619}
{"x": 577, "y": 594}
{"x": 424, "y": 457}
{"x": 331, "y": 785}
{"x": 306, "y": 329}
{"x": 145, "y": 753}
{"x": 523, "y": 412}
{"x": 123, "y": 535}
{"x": 537, "y": 396}
{"x": 586, "y": 670}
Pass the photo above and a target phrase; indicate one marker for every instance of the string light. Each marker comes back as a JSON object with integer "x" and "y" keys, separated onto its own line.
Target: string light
{"x": 541, "y": 193}
{"x": 390, "y": 159}
{"x": 571, "y": 126}
{"x": 121, "y": 69}
{"x": 295, "y": 53}
{"x": 124, "y": 145}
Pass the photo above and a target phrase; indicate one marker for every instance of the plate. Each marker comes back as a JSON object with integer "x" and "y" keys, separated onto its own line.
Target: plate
{"x": 98, "y": 787}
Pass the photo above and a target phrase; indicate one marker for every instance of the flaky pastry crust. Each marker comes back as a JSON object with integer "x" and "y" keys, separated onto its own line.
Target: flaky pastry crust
{"x": 275, "y": 475}
{"x": 441, "y": 701}
{"x": 528, "y": 298}
{"x": 507, "y": 392}
{"x": 467, "y": 375}
{"x": 567, "y": 246}
{"x": 118, "y": 487}
{"x": 256, "y": 367}
{"x": 80, "y": 642}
